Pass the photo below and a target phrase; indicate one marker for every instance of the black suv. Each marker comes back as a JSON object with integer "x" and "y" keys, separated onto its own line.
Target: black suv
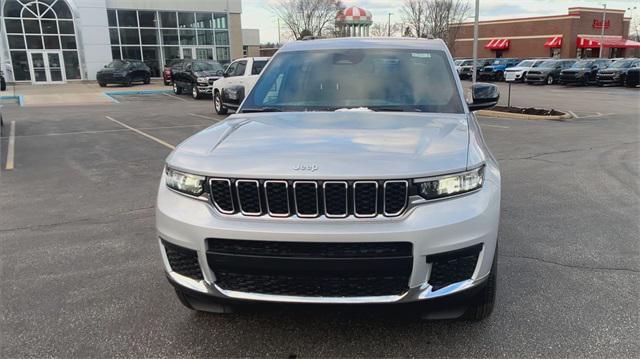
{"x": 3, "y": 83}
{"x": 466, "y": 70}
{"x": 548, "y": 72}
{"x": 124, "y": 72}
{"x": 616, "y": 74}
{"x": 195, "y": 76}
{"x": 583, "y": 71}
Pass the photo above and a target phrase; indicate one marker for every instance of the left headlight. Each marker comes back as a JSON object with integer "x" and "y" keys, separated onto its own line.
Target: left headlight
{"x": 451, "y": 185}
{"x": 186, "y": 183}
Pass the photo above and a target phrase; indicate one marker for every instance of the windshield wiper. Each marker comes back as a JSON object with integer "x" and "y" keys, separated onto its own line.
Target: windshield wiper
{"x": 263, "y": 109}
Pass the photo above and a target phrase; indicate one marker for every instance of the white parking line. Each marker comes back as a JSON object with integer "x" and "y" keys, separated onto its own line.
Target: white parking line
{"x": 174, "y": 96}
{"x": 142, "y": 133}
{"x": 109, "y": 131}
{"x": 202, "y": 116}
{"x": 11, "y": 149}
{"x": 496, "y": 126}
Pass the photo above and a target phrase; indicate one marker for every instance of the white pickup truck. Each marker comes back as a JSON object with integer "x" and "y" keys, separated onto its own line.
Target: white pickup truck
{"x": 239, "y": 78}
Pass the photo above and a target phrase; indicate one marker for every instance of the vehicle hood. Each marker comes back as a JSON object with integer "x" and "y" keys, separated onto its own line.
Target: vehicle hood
{"x": 614, "y": 71}
{"x": 327, "y": 145}
{"x": 542, "y": 70}
{"x": 576, "y": 70}
{"x": 208, "y": 74}
{"x": 520, "y": 68}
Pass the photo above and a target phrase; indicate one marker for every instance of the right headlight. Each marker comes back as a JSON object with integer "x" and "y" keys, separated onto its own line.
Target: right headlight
{"x": 183, "y": 182}
{"x": 451, "y": 185}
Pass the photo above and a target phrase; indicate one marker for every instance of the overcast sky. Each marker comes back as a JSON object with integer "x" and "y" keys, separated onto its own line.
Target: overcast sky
{"x": 256, "y": 14}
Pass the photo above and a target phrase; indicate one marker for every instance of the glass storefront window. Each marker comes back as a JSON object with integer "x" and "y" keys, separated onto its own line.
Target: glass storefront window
{"x": 62, "y": 10}
{"x": 205, "y": 37}
{"x": 187, "y": 37}
{"x": 149, "y": 36}
{"x": 220, "y": 21}
{"x": 115, "y": 52}
{"x": 111, "y": 16}
{"x": 169, "y": 37}
{"x": 71, "y": 65}
{"x": 13, "y": 26}
{"x": 129, "y": 37}
{"x": 147, "y": 18}
{"x": 168, "y": 19}
{"x": 16, "y": 41}
{"x": 49, "y": 27}
{"x": 51, "y": 42}
{"x": 12, "y": 9}
{"x": 204, "y": 20}
{"x": 68, "y": 42}
{"x": 20, "y": 66}
{"x": 186, "y": 19}
{"x": 131, "y": 53}
{"x": 151, "y": 57}
{"x": 127, "y": 18}
{"x": 222, "y": 55}
{"x": 222, "y": 38}
{"x": 32, "y": 26}
{"x": 170, "y": 53}
{"x": 34, "y": 42}
{"x": 113, "y": 35}
{"x": 66, "y": 27}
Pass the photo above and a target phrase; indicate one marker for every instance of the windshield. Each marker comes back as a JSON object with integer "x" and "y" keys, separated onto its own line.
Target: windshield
{"x": 376, "y": 79}
{"x": 526, "y": 63}
{"x": 501, "y": 61}
{"x": 582, "y": 64}
{"x": 548, "y": 63}
{"x": 621, "y": 64}
{"x": 207, "y": 66}
{"x": 467, "y": 63}
{"x": 117, "y": 64}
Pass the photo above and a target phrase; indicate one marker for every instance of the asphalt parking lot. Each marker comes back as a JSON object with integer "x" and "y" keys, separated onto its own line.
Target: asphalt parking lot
{"x": 81, "y": 274}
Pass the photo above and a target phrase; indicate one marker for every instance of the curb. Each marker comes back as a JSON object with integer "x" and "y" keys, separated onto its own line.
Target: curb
{"x": 521, "y": 116}
{"x": 19, "y": 99}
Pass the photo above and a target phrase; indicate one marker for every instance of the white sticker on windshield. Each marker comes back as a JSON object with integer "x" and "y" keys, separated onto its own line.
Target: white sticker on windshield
{"x": 424, "y": 55}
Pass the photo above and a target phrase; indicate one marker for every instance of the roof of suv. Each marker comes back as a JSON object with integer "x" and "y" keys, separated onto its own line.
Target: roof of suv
{"x": 364, "y": 43}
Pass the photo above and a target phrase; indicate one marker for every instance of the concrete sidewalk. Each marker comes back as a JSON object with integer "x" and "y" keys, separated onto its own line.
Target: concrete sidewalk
{"x": 73, "y": 93}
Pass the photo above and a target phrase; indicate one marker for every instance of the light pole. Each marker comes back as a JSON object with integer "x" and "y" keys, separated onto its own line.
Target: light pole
{"x": 604, "y": 18}
{"x": 475, "y": 41}
{"x": 389, "y": 33}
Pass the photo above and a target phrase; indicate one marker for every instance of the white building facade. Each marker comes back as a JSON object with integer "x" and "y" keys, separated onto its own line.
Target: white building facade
{"x": 55, "y": 41}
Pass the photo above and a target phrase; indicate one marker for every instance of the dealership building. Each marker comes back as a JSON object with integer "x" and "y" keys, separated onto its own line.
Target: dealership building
{"x": 575, "y": 34}
{"x": 55, "y": 41}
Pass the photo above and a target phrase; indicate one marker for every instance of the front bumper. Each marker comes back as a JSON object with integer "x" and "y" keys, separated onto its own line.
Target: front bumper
{"x": 432, "y": 228}
{"x": 536, "y": 78}
{"x": 572, "y": 78}
{"x": 609, "y": 79}
{"x": 205, "y": 88}
{"x": 512, "y": 76}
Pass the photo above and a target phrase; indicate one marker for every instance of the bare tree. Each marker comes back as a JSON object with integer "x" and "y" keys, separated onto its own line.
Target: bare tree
{"x": 315, "y": 16}
{"x": 434, "y": 17}
{"x": 381, "y": 29}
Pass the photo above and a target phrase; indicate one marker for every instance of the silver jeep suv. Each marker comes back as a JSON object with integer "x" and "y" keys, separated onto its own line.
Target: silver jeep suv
{"x": 354, "y": 172}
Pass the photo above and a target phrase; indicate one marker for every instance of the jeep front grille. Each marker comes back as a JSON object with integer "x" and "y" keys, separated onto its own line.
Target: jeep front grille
{"x": 309, "y": 199}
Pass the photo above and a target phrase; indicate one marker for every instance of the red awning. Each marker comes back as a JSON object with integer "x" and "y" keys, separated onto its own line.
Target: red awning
{"x": 593, "y": 42}
{"x": 497, "y": 44}
{"x": 553, "y": 42}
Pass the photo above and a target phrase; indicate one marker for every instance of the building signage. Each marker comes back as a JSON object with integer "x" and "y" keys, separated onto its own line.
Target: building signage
{"x": 597, "y": 24}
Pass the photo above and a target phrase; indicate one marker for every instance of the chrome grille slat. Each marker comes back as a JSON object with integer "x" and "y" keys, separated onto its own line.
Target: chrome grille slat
{"x": 309, "y": 198}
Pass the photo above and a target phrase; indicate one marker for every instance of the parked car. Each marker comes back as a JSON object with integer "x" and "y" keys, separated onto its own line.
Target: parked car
{"x": 633, "y": 77}
{"x": 239, "y": 78}
{"x": 301, "y": 197}
{"x": 195, "y": 77}
{"x": 3, "y": 82}
{"x": 462, "y": 62}
{"x": 547, "y": 72}
{"x": 124, "y": 72}
{"x": 519, "y": 72}
{"x": 466, "y": 70}
{"x": 616, "y": 73}
{"x": 495, "y": 71}
{"x": 166, "y": 73}
{"x": 583, "y": 72}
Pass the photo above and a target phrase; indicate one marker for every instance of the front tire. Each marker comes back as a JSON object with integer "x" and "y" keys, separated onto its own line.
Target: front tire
{"x": 128, "y": 81}
{"x": 147, "y": 79}
{"x": 176, "y": 89}
{"x": 550, "y": 80}
{"x": 102, "y": 84}
{"x": 484, "y": 301}
{"x": 195, "y": 93}
{"x": 217, "y": 104}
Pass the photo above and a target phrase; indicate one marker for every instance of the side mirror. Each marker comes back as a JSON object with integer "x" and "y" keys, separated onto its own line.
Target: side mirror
{"x": 484, "y": 96}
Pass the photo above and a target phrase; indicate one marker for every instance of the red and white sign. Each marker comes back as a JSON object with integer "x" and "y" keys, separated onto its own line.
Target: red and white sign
{"x": 597, "y": 24}
{"x": 554, "y": 42}
{"x": 497, "y": 44}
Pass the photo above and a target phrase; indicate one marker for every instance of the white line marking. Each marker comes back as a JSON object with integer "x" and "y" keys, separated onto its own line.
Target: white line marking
{"x": 12, "y": 145}
{"x": 202, "y": 116}
{"x": 174, "y": 96}
{"x": 496, "y": 126}
{"x": 573, "y": 114}
{"x": 142, "y": 133}
{"x": 108, "y": 131}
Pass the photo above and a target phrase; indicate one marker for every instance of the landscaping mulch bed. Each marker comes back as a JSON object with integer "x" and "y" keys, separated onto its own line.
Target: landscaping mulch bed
{"x": 528, "y": 111}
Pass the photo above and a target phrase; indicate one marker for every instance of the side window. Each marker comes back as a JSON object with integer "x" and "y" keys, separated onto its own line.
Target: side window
{"x": 242, "y": 66}
{"x": 257, "y": 67}
{"x": 231, "y": 69}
